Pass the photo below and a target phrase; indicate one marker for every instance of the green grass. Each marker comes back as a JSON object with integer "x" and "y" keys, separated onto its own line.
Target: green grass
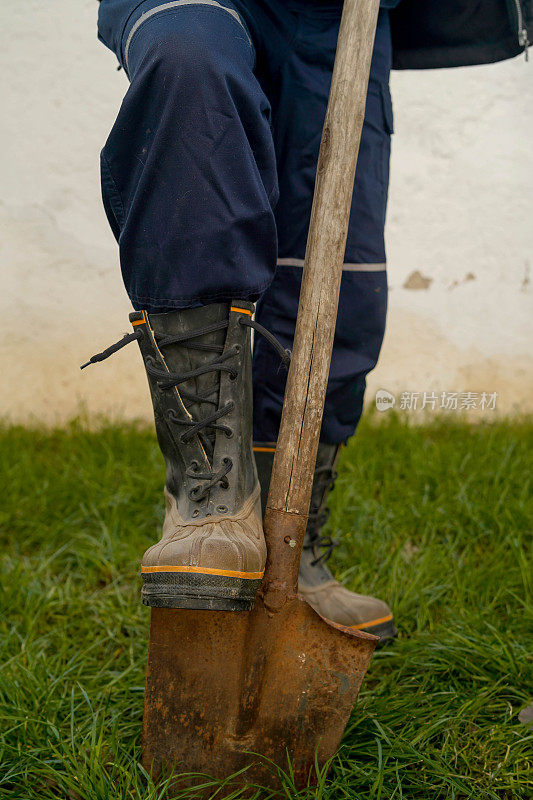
{"x": 435, "y": 519}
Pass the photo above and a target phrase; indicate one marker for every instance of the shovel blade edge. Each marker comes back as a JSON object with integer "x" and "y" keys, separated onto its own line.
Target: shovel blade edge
{"x": 227, "y": 691}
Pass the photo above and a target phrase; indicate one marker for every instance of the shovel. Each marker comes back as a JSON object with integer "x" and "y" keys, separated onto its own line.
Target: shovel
{"x": 230, "y": 692}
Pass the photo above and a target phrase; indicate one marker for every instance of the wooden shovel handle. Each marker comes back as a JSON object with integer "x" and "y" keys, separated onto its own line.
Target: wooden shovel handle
{"x": 295, "y": 457}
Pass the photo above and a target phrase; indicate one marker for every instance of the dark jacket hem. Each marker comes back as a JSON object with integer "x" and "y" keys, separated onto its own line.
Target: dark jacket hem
{"x": 429, "y": 34}
{"x": 461, "y": 56}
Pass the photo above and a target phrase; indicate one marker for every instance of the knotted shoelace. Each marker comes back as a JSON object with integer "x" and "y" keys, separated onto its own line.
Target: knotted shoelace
{"x": 206, "y": 427}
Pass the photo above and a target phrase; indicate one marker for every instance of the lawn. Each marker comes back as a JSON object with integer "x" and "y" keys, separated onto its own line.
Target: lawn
{"x": 435, "y": 519}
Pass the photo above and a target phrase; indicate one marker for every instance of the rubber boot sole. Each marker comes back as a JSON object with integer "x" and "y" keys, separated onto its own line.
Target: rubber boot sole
{"x": 165, "y": 587}
{"x": 385, "y": 630}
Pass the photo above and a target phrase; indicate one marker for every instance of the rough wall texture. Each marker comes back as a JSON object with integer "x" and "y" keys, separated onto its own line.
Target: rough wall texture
{"x": 459, "y": 227}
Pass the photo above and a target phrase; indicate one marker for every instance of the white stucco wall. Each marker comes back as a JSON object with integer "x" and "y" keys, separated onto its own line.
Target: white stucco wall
{"x": 459, "y": 225}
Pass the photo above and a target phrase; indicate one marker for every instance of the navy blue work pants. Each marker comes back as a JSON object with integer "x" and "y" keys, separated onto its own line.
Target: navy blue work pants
{"x": 208, "y": 175}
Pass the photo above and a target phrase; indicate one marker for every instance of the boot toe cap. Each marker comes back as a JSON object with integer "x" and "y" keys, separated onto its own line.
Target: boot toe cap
{"x": 338, "y": 604}
{"x": 211, "y": 547}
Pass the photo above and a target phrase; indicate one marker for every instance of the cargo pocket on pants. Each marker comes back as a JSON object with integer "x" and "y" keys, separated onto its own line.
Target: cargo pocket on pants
{"x": 113, "y": 205}
{"x": 388, "y": 127}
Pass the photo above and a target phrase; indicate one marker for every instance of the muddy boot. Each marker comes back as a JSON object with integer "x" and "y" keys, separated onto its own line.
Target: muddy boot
{"x": 198, "y": 362}
{"x": 316, "y": 583}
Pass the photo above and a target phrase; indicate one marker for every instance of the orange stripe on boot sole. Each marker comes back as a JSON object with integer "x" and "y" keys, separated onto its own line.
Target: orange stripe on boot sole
{"x": 228, "y": 573}
{"x": 371, "y": 622}
{"x": 264, "y": 449}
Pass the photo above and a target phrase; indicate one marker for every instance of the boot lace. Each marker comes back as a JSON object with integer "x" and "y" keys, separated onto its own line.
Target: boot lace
{"x": 206, "y": 427}
{"x": 324, "y": 478}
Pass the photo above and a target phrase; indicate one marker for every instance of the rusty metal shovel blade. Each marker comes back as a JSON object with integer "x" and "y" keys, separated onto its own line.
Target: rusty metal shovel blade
{"x": 224, "y": 686}
{"x": 279, "y": 680}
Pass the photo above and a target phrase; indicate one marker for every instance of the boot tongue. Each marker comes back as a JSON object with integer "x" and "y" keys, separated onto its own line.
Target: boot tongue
{"x": 324, "y": 470}
{"x": 181, "y": 357}
{"x": 314, "y": 557}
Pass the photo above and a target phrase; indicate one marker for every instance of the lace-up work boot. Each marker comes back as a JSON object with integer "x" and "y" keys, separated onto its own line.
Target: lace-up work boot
{"x": 198, "y": 361}
{"x": 316, "y": 583}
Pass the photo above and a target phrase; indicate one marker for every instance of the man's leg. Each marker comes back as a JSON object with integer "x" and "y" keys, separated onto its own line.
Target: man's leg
{"x": 188, "y": 171}
{"x": 189, "y": 181}
{"x": 299, "y": 107}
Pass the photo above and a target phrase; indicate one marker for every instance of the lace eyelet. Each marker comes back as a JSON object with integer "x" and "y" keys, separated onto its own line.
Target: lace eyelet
{"x": 222, "y": 509}
{"x": 196, "y": 512}
{"x": 229, "y": 433}
{"x": 237, "y": 348}
{"x": 195, "y": 495}
{"x": 233, "y": 376}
